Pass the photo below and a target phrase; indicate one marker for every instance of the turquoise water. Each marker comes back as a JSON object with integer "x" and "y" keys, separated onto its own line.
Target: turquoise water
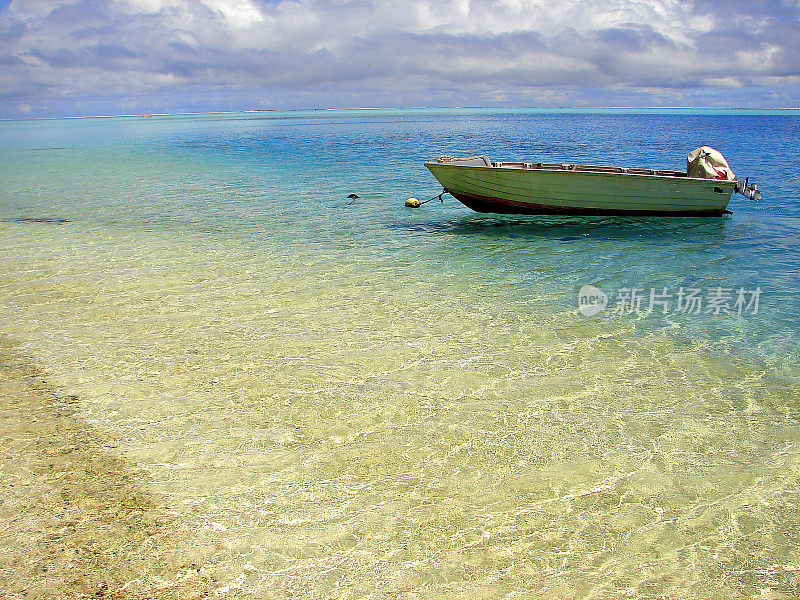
{"x": 359, "y": 399}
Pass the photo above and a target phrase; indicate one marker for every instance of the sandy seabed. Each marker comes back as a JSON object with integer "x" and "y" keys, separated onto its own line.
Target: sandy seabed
{"x": 76, "y": 517}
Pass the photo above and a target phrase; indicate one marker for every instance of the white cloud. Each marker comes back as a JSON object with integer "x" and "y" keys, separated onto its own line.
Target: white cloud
{"x": 463, "y": 51}
{"x": 147, "y": 6}
{"x": 757, "y": 60}
{"x": 238, "y": 13}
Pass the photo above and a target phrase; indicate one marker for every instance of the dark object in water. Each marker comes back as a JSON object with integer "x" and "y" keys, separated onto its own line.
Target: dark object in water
{"x": 354, "y": 196}
{"x": 53, "y": 220}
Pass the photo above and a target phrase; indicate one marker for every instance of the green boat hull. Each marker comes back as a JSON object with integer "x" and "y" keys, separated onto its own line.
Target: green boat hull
{"x": 533, "y": 188}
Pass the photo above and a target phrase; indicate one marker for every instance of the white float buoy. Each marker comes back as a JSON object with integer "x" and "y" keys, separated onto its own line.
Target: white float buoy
{"x": 412, "y": 203}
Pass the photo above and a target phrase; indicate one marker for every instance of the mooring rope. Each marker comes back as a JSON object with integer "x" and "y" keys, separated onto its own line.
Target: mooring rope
{"x": 435, "y": 197}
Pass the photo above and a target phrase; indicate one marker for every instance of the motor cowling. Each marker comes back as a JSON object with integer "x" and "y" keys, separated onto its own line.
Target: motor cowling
{"x": 707, "y": 163}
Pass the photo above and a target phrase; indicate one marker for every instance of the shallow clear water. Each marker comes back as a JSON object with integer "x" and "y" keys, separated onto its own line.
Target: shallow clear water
{"x": 358, "y": 398}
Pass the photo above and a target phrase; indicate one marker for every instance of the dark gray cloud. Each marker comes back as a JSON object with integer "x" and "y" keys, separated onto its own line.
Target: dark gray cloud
{"x": 78, "y": 56}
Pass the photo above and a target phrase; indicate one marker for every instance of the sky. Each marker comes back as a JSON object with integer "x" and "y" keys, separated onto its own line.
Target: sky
{"x": 92, "y": 57}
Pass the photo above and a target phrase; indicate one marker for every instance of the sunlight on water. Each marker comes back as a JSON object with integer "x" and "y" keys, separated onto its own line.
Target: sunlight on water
{"x": 330, "y": 426}
{"x": 345, "y": 407}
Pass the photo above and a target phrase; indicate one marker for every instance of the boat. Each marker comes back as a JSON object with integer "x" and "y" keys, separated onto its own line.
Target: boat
{"x": 703, "y": 190}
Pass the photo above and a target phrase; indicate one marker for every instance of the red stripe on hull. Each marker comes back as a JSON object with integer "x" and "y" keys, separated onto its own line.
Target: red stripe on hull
{"x": 486, "y": 204}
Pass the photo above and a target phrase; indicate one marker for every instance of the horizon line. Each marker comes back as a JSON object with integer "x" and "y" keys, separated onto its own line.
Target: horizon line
{"x": 421, "y": 108}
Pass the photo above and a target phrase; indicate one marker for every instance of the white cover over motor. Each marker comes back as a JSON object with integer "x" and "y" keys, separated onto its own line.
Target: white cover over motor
{"x": 708, "y": 163}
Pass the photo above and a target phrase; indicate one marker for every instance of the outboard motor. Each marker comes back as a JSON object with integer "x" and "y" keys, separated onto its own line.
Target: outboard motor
{"x": 707, "y": 163}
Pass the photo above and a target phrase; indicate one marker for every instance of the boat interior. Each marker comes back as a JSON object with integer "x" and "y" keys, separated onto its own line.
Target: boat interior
{"x": 483, "y": 161}
{"x": 592, "y": 168}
